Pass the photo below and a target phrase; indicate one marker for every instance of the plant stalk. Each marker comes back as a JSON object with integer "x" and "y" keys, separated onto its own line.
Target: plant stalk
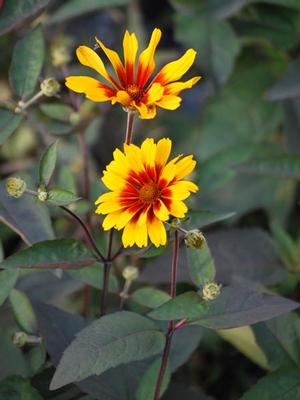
{"x": 106, "y": 270}
{"x": 129, "y": 128}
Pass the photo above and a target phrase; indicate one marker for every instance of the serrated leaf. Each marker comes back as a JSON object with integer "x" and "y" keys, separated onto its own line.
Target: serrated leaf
{"x": 113, "y": 340}
{"x": 15, "y": 12}
{"x": 150, "y": 297}
{"x": 75, "y": 8}
{"x": 283, "y": 384}
{"x": 187, "y": 305}
{"x": 9, "y": 121}
{"x": 60, "y": 197}
{"x": 201, "y": 265}
{"x": 146, "y": 389}
{"x": 23, "y": 311}
{"x": 51, "y": 254}
{"x": 283, "y": 166}
{"x": 289, "y": 84}
{"x": 8, "y": 280}
{"x": 18, "y": 388}
{"x": 27, "y": 62}
{"x": 26, "y": 216}
{"x": 60, "y": 112}
{"x": 47, "y": 164}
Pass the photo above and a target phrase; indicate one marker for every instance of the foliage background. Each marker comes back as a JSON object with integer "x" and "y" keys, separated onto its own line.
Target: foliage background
{"x": 242, "y": 122}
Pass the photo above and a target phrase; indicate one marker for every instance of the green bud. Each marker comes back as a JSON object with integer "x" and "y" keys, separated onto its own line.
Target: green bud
{"x": 42, "y": 195}
{"x": 194, "y": 239}
{"x": 211, "y": 291}
{"x": 175, "y": 223}
{"x": 50, "y": 87}
{"x": 15, "y": 187}
{"x": 130, "y": 273}
{"x": 20, "y": 339}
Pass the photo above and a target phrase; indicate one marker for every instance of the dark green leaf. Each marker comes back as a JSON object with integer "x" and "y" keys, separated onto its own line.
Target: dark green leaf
{"x": 26, "y": 216}
{"x": 9, "y": 122}
{"x": 76, "y": 8}
{"x": 51, "y": 254}
{"x": 60, "y": 112}
{"x": 27, "y": 62}
{"x": 286, "y": 246}
{"x": 18, "y": 388}
{"x": 15, "y": 12}
{"x": 215, "y": 41}
{"x": 113, "y": 340}
{"x": 47, "y": 164}
{"x": 8, "y": 280}
{"x": 284, "y": 166}
{"x": 59, "y": 128}
{"x": 201, "y": 265}
{"x": 23, "y": 311}
{"x": 36, "y": 357}
{"x": 288, "y": 85}
{"x": 238, "y": 306}
{"x": 187, "y": 305}
{"x": 60, "y": 197}
{"x": 150, "y": 297}
{"x": 283, "y": 384}
{"x": 201, "y": 218}
{"x": 146, "y": 389}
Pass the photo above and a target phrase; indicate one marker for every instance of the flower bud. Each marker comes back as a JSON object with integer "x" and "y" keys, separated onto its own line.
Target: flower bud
{"x": 50, "y": 87}
{"x": 20, "y": 339}
{"x": 130, "y": 273}
{"x": 211, "y": 291}
{"x": 15, "y": 187}
{"x": 42, "y": 195}
{"x": 194, "y": 238}
{"x": 175, "y": 223}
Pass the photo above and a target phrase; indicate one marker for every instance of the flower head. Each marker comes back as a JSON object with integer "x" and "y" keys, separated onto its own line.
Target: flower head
{"x": 145, "y": 190}
{"x": 131, "y": 86}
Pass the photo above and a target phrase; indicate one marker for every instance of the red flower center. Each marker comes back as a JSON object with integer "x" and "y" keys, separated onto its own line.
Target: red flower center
{"x": 135, "y": 92}
{"x": 149, "y": 193}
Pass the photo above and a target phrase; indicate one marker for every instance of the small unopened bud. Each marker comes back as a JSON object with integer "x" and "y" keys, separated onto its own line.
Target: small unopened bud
{"x": 175, "y": 223}
{"x": 50, "y": 87}
{"x": 15, "y": 187}
{"x": 194, "y": 238}
{"x": 42, "y": 195}
{"x": 211, "y": 291}
{"x": 20, "y": 339}
{"x": 74, "y": 118}
{"x": 130, "y": 273}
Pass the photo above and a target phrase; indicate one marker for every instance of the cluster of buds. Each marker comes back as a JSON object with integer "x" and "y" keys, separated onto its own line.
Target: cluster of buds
{"x": 211, "y": 291}
{"x": 15, "y": 187}
{"x": 194, "y": 239}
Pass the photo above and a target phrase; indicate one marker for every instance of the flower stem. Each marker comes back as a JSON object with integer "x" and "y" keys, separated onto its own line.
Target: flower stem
{"x": 171, "y": 327}
{"x": 106, "y": 270}
{"x": 130, "y": 120}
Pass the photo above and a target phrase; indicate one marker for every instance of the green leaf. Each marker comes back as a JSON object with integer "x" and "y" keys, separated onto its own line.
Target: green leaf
{"x": 215, "y": 41}
{"x": 27, "y": 63}
{"x": 76, "y": 8}
{"x": 202, "y": 218}
{"x": 93, "y": 276}
{"x": 18, "y": 388}
{"x": 150, "y": 297}
{"x": 15, "y": 12}
{"x": 51, "y": 254}
{"x": 286, "y": 246}
{"x": 26, "y": 216}
{"x": 47, "y": 164}
{"x": 187, "y": 305}
{"x": 201, "y": 265}
{"x": 23, "y": 311}
{"x": 283, "y": 384}
{"x": 283, "y": 166}
{"x": 9, "y": 121}
{"x": 36, "y": 357}
{"x": 289, "y": 84}
{"x": 8, "y": 280}
{"x": 146, "y": 389}
{"x": 60, "y": 197}
{"x": 113, "y": 340}
{"x": 60, "y": 112}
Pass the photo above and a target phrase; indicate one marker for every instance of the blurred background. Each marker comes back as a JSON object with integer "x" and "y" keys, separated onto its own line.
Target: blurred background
{"x": 241, "y": 121}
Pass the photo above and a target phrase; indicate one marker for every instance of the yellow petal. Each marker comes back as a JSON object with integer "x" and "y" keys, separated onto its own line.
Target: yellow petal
{"x": 178, "y": 209}
{"x": 181, "y": 190}
{"x": 146, "y": 60}
{"x": 134, "y": 234}
{"x": 148, "y": 152}
{"x": 93, "y": 89}
{"x": 163, "y": 150}
{"x": 157, "y": 232}
{"x": 90, "y": 58}
{"x": 110, "y": 220}
{"x": 109, "y": 196}
{"x": 176, "y": 87}
{"x": 169, "y": 102}
{"x": 176, "y": 69}
{"x": 130, "y": 47}
{"x": 123, "y": 97}
{"x": 184, "y": 167}
{"x": 154, "y": 94}
{"x": 115, "y": 62}
{"x": 161, "y": 211}
{"x": 124, "y": 219}
{"x": 113, "y": 181}
{"x": 146, "y": 112}
{"x": 108, "y": 207}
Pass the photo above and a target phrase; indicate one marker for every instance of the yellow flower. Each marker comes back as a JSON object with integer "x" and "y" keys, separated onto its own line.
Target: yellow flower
{"x": 132, "y": 86}
{"x": 145, "y": 190}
